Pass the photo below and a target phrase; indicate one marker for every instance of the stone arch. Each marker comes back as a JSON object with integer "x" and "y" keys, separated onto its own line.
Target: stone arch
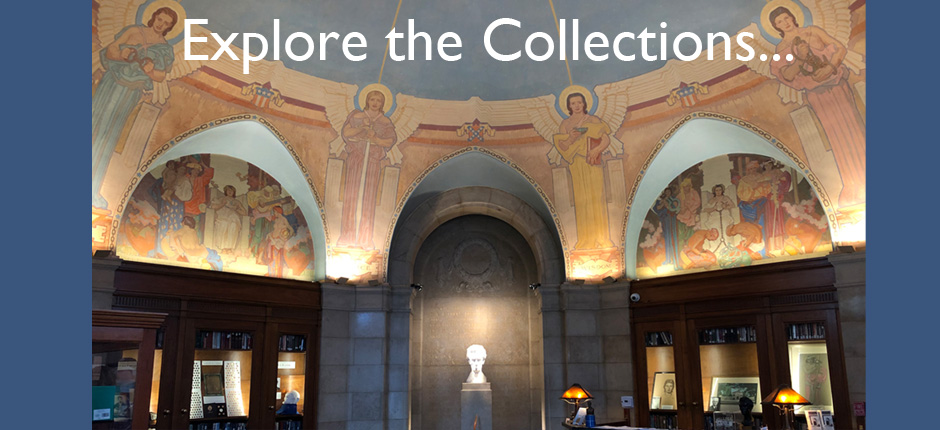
{"x": 697, "y": 137}
{"x": 432, "y": 213}
{"x": 253, "y": 139}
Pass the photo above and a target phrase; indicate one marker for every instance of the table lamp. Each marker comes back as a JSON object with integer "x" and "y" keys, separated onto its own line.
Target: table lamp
{"x": 785, "y": 398}
{"x": 574, "y": 395}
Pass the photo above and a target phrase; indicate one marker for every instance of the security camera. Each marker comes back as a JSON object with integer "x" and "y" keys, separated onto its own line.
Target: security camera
{"x": 635, "y": 297}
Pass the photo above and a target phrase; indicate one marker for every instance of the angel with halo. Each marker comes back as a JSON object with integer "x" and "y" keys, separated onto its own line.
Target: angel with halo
{"x": 812, "y": 62}
{"x": 135, "y": 58}
{"x": 581, "y": 141}
{"x": 368, "y": 135}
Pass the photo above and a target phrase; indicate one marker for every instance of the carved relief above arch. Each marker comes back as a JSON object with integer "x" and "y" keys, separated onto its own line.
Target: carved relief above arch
{"x": 451, "y": 204}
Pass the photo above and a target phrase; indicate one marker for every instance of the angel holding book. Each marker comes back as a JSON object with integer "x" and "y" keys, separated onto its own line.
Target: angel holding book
{"x": 581, "y": 140}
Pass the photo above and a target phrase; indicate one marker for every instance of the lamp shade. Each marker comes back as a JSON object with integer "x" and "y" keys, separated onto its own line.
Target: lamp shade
{"x": 784, "y": 395}
{"x": 576, "y": 393}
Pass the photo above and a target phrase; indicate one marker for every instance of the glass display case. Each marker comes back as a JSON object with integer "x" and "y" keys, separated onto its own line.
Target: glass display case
{"x": 122, "y": 370}
{"x": 221, "y": 380}
{"x": 291, "y": 381}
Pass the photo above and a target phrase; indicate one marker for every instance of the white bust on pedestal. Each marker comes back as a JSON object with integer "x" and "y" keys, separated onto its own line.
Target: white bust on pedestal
{"x": 476, "y": 356}
{"x": 476, "y": 397}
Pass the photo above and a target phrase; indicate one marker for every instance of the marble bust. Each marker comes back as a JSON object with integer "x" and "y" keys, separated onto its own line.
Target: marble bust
{"x": 476, "y": 356}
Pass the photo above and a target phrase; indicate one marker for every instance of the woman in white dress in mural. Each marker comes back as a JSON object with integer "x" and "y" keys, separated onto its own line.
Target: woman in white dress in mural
{"x": 716, "y": 214}
{"x": 228, "y": 220}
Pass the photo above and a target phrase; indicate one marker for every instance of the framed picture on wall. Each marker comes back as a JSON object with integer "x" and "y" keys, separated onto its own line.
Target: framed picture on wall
{"x": 664, "y": 387}
{"x": 730, "y": 391}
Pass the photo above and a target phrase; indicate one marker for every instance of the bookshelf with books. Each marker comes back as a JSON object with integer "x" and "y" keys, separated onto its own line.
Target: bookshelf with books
{"x": 223, "y": 342}
{"x": 734, "y": 334}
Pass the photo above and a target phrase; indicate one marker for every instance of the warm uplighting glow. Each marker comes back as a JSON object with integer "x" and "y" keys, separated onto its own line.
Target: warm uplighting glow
{"x": 576, "y": 393}
{"x": 851, "y": 225}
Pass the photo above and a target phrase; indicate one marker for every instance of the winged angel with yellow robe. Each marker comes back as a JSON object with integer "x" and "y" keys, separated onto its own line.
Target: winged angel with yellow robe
{"x": 133, "y": 59}
{"x": 580, "y": 141}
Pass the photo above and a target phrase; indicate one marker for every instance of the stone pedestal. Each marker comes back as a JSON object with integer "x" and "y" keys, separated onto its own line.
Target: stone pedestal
{"x": 476, "y": 404}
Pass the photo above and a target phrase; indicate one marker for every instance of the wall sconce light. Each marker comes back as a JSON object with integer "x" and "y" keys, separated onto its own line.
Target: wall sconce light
{"x": 610, "y": 280}
{"x": 417, "y": 287}
{"x": 785, "y": 398}
{"x": 342, "y": 280}
{"x": 102, "y": 253}
{"x": 534, "y": 286}
{"x": 373, "y": 282}
{"x": 578, "y": 282}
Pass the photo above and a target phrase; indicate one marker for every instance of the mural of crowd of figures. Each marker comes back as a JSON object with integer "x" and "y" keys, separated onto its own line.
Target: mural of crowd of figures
{"x": 216, "y": 213}
{"x": 729, "y": 211}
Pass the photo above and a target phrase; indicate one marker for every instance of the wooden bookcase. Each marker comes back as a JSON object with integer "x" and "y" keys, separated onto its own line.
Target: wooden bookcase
{"x": 251, "y": 314}
{"x": 737, "y": 325}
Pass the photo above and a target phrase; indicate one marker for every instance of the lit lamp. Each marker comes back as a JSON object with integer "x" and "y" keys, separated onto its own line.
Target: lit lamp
{"x": 574, "y": 395}
{"x": 785, "y": 398}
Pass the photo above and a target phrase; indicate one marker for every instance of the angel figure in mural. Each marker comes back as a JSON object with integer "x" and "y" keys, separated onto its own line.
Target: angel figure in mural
{"x": 819, "y": 69}
{"x": 580, "y": 142}
{"x": 132, "y": 59}
{"x": 369, "y": 135}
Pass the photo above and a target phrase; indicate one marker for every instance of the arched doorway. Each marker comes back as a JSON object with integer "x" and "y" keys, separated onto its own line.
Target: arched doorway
{"x": 475, "y": 271}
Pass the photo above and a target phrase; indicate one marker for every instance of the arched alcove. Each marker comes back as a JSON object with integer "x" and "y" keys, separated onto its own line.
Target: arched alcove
{"x": 255, "y": 143}
{"x": 697, "y": 138}
{"x": 475, "y": 271}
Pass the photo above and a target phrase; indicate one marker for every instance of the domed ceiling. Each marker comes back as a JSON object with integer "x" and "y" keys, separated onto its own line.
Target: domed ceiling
{"x": 473, "y": 74}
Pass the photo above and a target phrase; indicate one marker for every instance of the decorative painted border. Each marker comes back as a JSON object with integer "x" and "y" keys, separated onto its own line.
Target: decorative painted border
{"x": 494, "y": 154}
{"x": 777, "y": 143}
{"x": 145, "y": 166}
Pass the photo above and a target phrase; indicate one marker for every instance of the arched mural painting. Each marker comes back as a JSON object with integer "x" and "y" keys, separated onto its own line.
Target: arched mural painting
{"x": 730, "y": 211}
{"x": 218, "y": 213}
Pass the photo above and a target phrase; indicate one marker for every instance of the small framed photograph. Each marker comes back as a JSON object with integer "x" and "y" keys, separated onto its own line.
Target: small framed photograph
{"x": 714, "y": 404}
{"x": 814, "y": 420}
{"x": 827, "y": 420}
{"x": 664, "y": 387}
{"x": 730, "y": 391}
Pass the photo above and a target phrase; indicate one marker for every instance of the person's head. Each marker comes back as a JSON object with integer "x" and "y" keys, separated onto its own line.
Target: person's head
{"x": 752, "y": 166}
{"x": 576, "y": 103}
{"x": 375, "y": 101}
{"x": 783, "y": 20}
{"x": 668, "y": 192}
{"x": 163, "y": 20}
{"x": 476, "y": 356}
{"x": 712, "y": 234}
{"x": 686, "y": 184}
{"x": 189, "y": 221}
{"x": 718, "y": 190}
{"x": 669, "y": 385}
{"x": 229, "y": 190}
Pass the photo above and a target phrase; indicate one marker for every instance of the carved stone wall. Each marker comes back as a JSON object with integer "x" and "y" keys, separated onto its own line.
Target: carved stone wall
{"x": 475, "y": 271}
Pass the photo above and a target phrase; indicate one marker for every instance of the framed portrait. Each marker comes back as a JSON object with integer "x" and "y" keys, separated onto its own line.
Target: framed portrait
{"x": 809, "y": 370}
{"x": 664, "y": 387}
{"x": 814, "y": 420}
{"x": 730, "y": 391}
{"x": 827, "y": 422}
{"x": 714, "y": 404}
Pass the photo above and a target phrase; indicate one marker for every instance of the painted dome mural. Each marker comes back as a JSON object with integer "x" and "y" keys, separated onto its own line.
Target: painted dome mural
{"x": 217, "y": 213}
{"x": 731, "y": 211}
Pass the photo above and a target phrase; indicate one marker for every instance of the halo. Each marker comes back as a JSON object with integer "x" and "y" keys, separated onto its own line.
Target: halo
{"x": 563, "y": 98}
{"x": 180, "y": 14}
{"x": 794, "y": 8}
{"x": 376, "y": 87}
